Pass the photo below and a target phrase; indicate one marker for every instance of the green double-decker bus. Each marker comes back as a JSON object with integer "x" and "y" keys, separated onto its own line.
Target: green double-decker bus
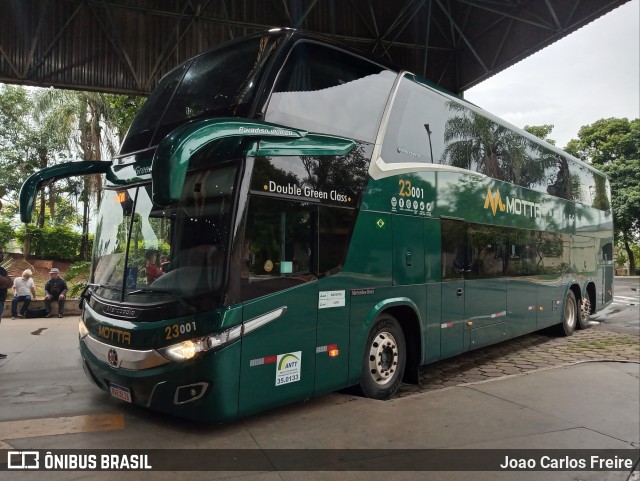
{"x": 327, "y": 221}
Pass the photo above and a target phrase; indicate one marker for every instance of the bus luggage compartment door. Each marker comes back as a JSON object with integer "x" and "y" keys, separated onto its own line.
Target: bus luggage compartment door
{"x": 408, "y": 250}
{"x": 452, "y": 322}
{"x": 454, "y": 266}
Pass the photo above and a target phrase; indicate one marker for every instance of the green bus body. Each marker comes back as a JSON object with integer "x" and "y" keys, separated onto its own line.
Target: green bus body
{"x": 304, "y": 256}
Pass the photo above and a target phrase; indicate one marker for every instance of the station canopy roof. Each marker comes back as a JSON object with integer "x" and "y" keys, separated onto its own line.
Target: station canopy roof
{"x": 125, "y": 46}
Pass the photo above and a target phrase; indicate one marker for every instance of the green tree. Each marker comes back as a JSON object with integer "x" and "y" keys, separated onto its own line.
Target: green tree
{"x": 87, "y": 111}
{"x": 606, "y": 140}
{"x": 624, "y": 176}
{"x": 122, "y": 109}
{"x": 541, "y": 131}
{"x": 6, "y": 233}
{"x": 613, "y": 145}
{"x": 27, "y": 144}
{"x": 16, "y": 136}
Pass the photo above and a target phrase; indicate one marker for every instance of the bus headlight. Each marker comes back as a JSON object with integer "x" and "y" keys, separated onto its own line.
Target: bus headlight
{"x": 82, "y": 329}
{"x": 185, "y": 350}
{"x": 216, "y": 341}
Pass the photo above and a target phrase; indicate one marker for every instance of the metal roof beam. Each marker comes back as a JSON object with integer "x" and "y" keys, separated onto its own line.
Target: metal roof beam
{"x": 363, "y": 19}
{"x": 545, "y": 26}
{"x": 502, "y": 43}
{"x": 35, "y": 40}
{"x": 401, "y": 14}
{"x": 225, "y": 9}
{"x": 462, "y": 36}
{"x": 56, "y": 38}
{"x": 426, "y": 42}
{"x": 304, "y": 15}
{"x": 114, "y": 39}
{"x": 404, "y": 26}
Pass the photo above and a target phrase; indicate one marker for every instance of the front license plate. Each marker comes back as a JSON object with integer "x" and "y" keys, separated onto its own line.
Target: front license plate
{"x": 120, "y": 392}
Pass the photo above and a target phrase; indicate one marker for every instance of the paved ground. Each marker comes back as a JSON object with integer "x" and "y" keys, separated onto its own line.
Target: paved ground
{"x": 526, "y": 354}
{"x": 614, "y": 335}
{"x": 533, "y": 392}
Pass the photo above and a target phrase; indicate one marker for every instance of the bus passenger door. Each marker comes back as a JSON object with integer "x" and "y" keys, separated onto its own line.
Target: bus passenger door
{"x": 522, "y": 285}
{"x": 454, "y": 265}
{"x": 553, "y": 251}
{"x": 486, "y": 286}
{"x": 280, "y": 310}
{"x": 607, "y": 271}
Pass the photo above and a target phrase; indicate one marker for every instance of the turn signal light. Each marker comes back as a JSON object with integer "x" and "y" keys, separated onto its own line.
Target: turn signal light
{"x": 333, "y": 353}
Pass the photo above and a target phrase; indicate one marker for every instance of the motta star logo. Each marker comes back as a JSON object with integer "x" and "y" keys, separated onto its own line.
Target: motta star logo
{"x": 494, "y": 201}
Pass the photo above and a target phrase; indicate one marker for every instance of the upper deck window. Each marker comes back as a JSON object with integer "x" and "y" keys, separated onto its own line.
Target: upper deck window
{"x": 218, "y": 83}
{"x": 325, "y": 90}
{"x": 427, "y": 126}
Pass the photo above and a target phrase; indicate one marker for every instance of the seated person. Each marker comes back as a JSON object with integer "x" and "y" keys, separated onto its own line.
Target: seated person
{"x": 55, "y": 290}
{"x": 164, "y": 263}
{"x": 24, "y": 290}
{"x": 151, "y": 270}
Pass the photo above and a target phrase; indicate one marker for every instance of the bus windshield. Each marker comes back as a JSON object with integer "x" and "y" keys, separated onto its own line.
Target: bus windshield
{"x": 218, "y": 83}
{"x": 142, "y": 252}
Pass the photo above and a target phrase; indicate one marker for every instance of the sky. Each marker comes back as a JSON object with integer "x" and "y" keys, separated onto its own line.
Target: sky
{"x": 591, "y": 74}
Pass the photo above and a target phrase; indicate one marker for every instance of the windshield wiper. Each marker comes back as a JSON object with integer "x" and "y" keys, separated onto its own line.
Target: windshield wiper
{"x": 103, "y": 286}
{"x": 147, "y": 291}
{"x": 85, "y": 295}
{"x": 191, "y": 307}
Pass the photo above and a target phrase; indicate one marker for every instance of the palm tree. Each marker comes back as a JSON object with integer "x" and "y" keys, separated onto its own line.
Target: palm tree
{"x": 86, "y": 112}
{"x": 478, "y": 143}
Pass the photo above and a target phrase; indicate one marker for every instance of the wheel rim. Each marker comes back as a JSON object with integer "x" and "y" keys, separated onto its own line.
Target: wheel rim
{"x": 383, "y": 358}
{"x": 570, "y": 313}
{"x": 585, "y": 310}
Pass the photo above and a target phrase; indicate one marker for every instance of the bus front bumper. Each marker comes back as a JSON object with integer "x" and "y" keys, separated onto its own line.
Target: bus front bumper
{"x": 205, "y": 388}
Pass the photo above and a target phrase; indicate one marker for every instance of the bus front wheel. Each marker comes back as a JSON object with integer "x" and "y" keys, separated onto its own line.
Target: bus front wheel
{"x": 570, "y": 316}
{"x": 384, "y": 359}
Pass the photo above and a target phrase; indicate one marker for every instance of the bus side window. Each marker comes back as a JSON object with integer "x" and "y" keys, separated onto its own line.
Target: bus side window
{"x": 487, "y": 251}
{"x": 325, "y": 90}
{"x": 455, "y": 262}
{"x": 415, "y": 131}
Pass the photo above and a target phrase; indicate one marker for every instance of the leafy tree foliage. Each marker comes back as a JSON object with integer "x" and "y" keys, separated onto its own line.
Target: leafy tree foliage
{"x": 122, "y": 109}
{"x": 40, "y": 128}
{"x": 613, "y": 145}
{"x": 607, "y": 140}
{"x": 6, "y": 233}
{"x": 77, "y": 277}
{"x": 59, "y": 242}
{"x": 541, "y": 131}
{"x": 29, "y": 143}
{"x": 624, "y": 176}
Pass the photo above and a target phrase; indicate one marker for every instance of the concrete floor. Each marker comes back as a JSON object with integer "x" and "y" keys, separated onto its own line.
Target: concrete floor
{"x": 46, "y": 402}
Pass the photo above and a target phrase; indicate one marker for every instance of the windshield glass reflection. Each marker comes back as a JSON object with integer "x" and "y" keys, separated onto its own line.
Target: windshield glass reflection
{"x": 146, "y": 253}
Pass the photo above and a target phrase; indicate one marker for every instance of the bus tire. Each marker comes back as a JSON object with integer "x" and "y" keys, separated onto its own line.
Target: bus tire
{"x": 584, "y": 313}
{"x": 384, "y": 359}
{"x": 570, "y": 316}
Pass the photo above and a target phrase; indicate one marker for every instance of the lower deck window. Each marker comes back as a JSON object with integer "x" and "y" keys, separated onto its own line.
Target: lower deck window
{"x": 287, "y": 243}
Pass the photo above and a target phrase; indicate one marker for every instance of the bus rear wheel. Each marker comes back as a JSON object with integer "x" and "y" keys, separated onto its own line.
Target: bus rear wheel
{"x": 384, "y": 359}
{"x": 585, "y": 312}
{"x": 570, "y": 316}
